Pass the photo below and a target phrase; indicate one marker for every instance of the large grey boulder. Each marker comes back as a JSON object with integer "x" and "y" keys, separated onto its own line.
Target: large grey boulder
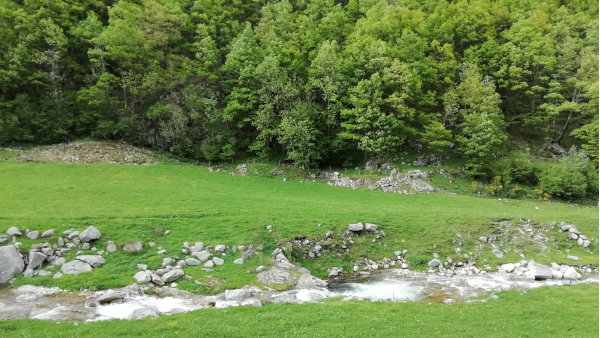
{"x": 33, "y": 234}
{"x": 570, "y": 273}
{"x": 192, "y": 261}
{"x": 142, "y": 277}
{"x": 75, "y": 267}
{"x": 48, "y": 233}
{"x": 197, "y": 247}
{"x": 371, "y": 227}
{"x": 149, "y": 311}
{"x": 203, "y": 255}
{"x": 434, "y": 262}
{"x": 156, "y": 279}
{"x": 539, "y": 271}
{"x": 93, "y": 260}
{"x": 586, "y": 243}
{"x": 90, "y": 234}
{"x": 133, "y": 246}
{"x": 36, "y": 259}
{"x": 218, "y": 261}
{"x": 508, "y": 267}
{"x": 275, "y": 276}
{"x": 483, "y": 239}
{"x": 172, "y": 275}
{"x": 220, "y": 248}
{"x": 11, "y": 262}
{"x": 13, "y": 231}
{"x": 239, "y": 295}
{"x": 110, "y": 296}
{"x": 308, "y": 281}
{"x": 356, "y": 227}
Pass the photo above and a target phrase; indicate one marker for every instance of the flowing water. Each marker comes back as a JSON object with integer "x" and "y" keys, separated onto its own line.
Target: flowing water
{"x": 386, "y": 285}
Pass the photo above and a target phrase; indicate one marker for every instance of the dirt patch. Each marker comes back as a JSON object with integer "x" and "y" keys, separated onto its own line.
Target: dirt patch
{"x": 91, "y": 152}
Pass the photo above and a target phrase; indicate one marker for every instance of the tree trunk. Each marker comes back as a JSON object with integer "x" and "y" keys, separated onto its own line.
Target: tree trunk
{"x": 562, "y": 132}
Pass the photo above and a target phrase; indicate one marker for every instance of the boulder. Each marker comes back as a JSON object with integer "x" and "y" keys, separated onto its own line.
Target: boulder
{"x": 218, "y": 261}
{"x": 167, "y": 261}
{"x": 75, "y": 267}
{"x": 308, "y": 281}
{"x": 458, "y": 251}
{"x": 33, "y": 234}
{"x": 93, "y": 260}
{"x": 570, "y": 273}
{"x": 111, "y": 296}
{"x": 238, "y": 261}
{"x": 556, "y": 274}
{"x": 197, "y": 247}
{"x": 156, "y": 279}
{"x": 356, "y": 227}
{"x": 202, "y": 256}
{"x": 370, "y": 227}
{"x": 142, "y": 277}
{"x": 36, "y": 259}
{"x": 181, "y": 263}
{"x": 539, "y": 271}
{"x": 586, "y": 243}
{"x": 47, "y": 233}
{"x": 11, "y": 262}
{"x": 59, "y": 261}
{"x": 61, "y": 241}
{"x": 275, "y": 276}
{"x": 209, "y": 264}
{"x": 3, "y": 239}
{"x": 573, "y": 258}
{"x": 90, "y": 234}
{"x": 148, "y": 311}
{"x": 192, "y": 262}
{"x": 57, "y": 275}
{"x": 133, "y": 246}
{"x": 13, "y": 231}
{"x": 510, "y": 267}
{"x": 172, "y": 275}
{"x": 483, "y": 239}
{"x": 239, "y": 295}
{"x": 73, "y": 234}
{"x": 260, "y": 269}
{"x": 142, "y": 267}
{"x": 220, "y": 248}
{"x": 434, "y": 262}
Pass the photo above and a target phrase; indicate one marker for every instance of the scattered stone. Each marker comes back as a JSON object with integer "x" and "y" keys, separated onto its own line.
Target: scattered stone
{"x": 434, "y": 263}
{"x": 356, "y": 227}
{"x": 197, "y": 247}
{"x": 28, "y": 273}
{"x": 181, "y": 263}
{"x": 73, "y": 234}
{"x": 93, "y": 260}
{"x": 59, "y": 261}
{"x": 13, "y": 231}
{"x": 33, "y": 234}
{"x": 458, "y": 251}
{"x": 203, "y": 255}
{"x": 167, "y": 262}
{"x": 85, "y": 246}
{"x": 573, "y": 258}
{"x": 142, "y": 277}
{"x": 586, "y": 243}
{"x": 192, "y": 262}
{"x": 157, "y": 280}
{"x": 483, "y": 239}
{"x": 151, "y": 244}
{"x": 209, "y": 264}
{"x": 75, "y": 267}
{"x": 133, "y": 246}
{"x": 47, "y": 233}
{"x": 142, "y": 267}
{"x": 260, "y": 269}
{"x": 110, "y": 296}
{"x": 149, "y": 311}
{"x": 3, "y": 239}
{"x": 239, "y": 295}
{"x": 111, "y": 248}
{"x": 238, "y": 261}
{"x": 90, "y": 234}
{"x": 218, "y": 261}
{"x": 57, "y": 275}
{"x": 371, "y": 227}
{"x": 172, "y": 275}
{"x": 61, "y": 241}
{"x": 220, "y": 248}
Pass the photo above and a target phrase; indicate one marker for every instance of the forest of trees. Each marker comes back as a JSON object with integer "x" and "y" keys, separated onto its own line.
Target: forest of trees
{"x": 313, "y": 81}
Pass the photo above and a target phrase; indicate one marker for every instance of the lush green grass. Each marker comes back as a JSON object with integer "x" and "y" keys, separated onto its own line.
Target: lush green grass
{"x": 130, "y": 203}
{"x": 568, "y": 311}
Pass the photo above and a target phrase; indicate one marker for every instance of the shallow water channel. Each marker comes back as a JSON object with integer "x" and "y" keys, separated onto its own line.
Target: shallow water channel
{"x": 387, "y": 285}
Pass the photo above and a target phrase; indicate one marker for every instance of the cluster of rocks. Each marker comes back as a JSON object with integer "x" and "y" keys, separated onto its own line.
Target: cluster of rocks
{"x": 375, "y": 166}
{"x": 31, "y": 263}
{"x": 325, "y": 174}
{"x": 533, "y": 270}
{"x": 431, "y": 160}
{"x": 242, "y": 169}
{"x": 284, "y": 272}
{"x": 353, "y": 183}
{"x": 575, "y": 235}
{"x": 399, "y": 183}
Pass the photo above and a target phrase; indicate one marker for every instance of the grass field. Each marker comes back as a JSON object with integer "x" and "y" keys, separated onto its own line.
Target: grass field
{"x": 129, "y": 203}
{"x": 567, "y": 311}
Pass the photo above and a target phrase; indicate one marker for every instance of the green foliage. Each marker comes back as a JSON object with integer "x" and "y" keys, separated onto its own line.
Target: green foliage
{"x": 418, "y": 262}
{"x": 563, "y": 181}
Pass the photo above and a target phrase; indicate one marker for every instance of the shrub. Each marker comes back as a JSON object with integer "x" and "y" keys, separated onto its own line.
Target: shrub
{"x": 416, "y": 262}
{"x": 563, "y": 180}
{"x": 515, "y": 168}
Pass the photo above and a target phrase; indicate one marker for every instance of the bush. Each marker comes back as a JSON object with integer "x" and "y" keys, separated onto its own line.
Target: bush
{"x": 563, "y": 180}
{"x": 416, "y": 262}
{"x": 515, "y": 168}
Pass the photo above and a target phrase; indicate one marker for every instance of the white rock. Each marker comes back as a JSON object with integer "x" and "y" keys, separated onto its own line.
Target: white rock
{"x": 93, "y": 260}
{"x": 142, "y": 277}
{"x": 238, "y": 261}
{"x": 356, "y": 227}
{"x": 370, "y": 227}
{"x": 218, "y": 261}
{"x": 89, "y": 234}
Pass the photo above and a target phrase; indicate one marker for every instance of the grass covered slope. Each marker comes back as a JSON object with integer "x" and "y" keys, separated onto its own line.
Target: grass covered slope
{"x": 129, "y": 203}
{"x": 543, "y": 312}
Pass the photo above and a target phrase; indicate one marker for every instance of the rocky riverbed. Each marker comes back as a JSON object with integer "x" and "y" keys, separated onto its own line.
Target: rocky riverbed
{"x": 133, "y": 302}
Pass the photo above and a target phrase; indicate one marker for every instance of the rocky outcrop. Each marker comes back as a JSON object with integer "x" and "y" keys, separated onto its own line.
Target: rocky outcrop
{"x": 11, "y": 262}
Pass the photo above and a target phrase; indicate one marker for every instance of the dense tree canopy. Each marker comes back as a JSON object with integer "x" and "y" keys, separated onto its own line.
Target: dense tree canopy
{"x": 314, "y": 81}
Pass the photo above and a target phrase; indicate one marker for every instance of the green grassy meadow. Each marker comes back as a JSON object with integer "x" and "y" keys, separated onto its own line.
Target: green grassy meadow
{"x": 129, "y": 203}
{"x": 566, "y": 311}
